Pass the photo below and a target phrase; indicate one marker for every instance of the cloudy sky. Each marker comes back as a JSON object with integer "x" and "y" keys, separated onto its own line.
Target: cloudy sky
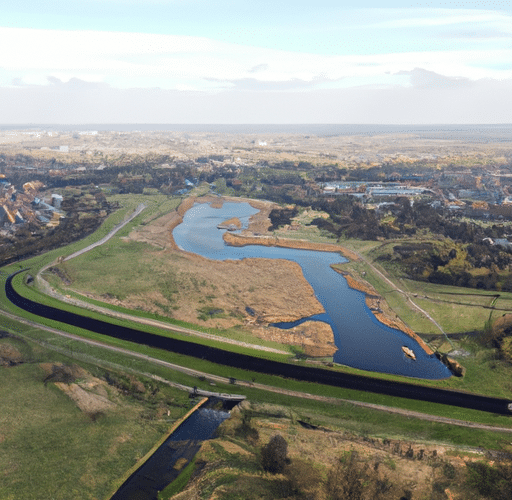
{"x": 258, "y": 61}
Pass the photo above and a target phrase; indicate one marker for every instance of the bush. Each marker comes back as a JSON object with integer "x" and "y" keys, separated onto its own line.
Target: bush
{"x": 304, "y": 479}
{"x": 494, "y": 482}
{"x": 345, "y": 479}
{"x": 273, "y": 454}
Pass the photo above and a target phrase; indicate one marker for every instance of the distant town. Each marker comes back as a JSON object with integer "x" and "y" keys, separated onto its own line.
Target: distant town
{"x": 52, "y": 181}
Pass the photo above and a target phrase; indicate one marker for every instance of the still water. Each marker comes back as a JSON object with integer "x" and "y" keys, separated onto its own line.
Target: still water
{"x": 362, "y": 341}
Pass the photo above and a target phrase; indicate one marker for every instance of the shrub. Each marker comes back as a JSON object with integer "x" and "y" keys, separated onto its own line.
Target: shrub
{"x": 273, "y": 454}
{"x": 303, "y": 478}
{"x": 345, "y": 479}
{"x": 494, "y": 482}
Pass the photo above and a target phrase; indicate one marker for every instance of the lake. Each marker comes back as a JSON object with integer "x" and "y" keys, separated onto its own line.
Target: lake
{"x": 362, "y": 341}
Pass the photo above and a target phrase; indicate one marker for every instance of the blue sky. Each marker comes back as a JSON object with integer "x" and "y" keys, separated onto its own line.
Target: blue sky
{"x": 233, "y": 61}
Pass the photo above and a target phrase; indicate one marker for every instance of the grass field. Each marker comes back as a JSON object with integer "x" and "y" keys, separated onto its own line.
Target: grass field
{"x": 485, "y": 374}
{"x": 52, "y": 449}
{"x": 207, "y": 367}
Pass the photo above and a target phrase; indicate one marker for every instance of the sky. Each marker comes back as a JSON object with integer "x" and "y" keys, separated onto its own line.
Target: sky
{"x": 258, "y": 61}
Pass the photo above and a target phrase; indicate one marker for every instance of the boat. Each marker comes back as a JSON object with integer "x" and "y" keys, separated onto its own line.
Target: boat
{"x": 409, "y": 352}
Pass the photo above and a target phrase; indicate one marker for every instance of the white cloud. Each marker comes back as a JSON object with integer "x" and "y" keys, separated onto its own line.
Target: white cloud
{"x": 129, "y": 60}
{"x": 418, "y": 18}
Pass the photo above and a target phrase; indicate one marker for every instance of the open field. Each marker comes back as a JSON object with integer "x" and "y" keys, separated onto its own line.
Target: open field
{"x": 375, "y": 422}
{"x": 70, "y": 455}
{"x": 458, "y": 310}
{"x": 67, "y": 449}
{"x": 311, "y": 388}
{"x": 480, "y": 378}
{"x": 138, "y": 272}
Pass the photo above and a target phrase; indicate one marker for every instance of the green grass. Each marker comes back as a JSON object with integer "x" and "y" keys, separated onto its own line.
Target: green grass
{"x": 472, "y": 382}
{"x": 51, "y": 449}
{"x": 35, "y": 295}
{"x": 457, "y": 309}
{"x": 207, "y": 367}
{"x": 312, "y": 388}
{"x": 343, "y": 415}
{"x": 179, "y": 483}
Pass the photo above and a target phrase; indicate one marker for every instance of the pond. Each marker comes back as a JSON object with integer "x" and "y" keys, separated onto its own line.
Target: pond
{"x": 362, "y": 341}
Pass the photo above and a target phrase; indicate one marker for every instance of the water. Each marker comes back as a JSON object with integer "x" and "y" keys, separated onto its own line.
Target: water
{"x": 200, "y": 426}
{"x": 159, "y": 470}
{"x": 362, "y": 341}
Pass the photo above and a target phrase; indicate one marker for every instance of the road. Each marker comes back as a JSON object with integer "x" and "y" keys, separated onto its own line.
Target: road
{"x": 103, "y": 240}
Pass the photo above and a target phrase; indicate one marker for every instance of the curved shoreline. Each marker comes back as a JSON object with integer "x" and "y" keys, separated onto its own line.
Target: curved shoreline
{"x": 372, "y": 298}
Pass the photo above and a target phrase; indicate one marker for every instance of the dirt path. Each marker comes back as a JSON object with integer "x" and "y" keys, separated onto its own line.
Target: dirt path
{"x": 103, "y": 240}
{"x": 407, "y": 295}
{"x": 159, "y": 324}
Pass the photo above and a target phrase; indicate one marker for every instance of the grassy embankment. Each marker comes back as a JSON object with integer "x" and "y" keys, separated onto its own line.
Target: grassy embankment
{"x": 345, "y": 411}
{"x": 77, "y": 349}
{"x": 460, "y": 311}
{"x": 109, "y": 432}
{"x": 117, "y": 255}
{"x": 52, "y": 448}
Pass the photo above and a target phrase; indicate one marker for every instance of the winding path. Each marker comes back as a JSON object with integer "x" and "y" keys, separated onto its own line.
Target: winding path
{"x": 103, "y": 240}
{"x": 405, "y": 294}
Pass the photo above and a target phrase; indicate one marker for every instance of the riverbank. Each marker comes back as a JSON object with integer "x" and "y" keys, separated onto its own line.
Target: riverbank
{"x": 240, "y": 240}
{"x": 316, "y": 341}
{"x": 246, "y": 294}
{"x": 373, "y": 299}
{"x": 375, "y": 303}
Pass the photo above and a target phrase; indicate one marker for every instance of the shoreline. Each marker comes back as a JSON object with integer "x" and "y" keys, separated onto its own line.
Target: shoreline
{"x": 372, "y": 298}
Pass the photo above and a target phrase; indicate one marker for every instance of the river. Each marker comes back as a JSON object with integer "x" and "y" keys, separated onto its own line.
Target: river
{"x": 362, "y": 341}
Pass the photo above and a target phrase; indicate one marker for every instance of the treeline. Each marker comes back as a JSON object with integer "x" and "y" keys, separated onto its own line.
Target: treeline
{"x": 31, "y": 241}
{"x": 460, "y": 254}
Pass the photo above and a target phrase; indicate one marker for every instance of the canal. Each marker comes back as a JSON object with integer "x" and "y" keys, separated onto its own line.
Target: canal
{"x": 169, "y": 460}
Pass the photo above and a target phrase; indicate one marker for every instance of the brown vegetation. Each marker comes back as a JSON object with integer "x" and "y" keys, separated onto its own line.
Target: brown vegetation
{"x": 270, "y": 241}
{"x": 9, "y": 355}
{"x": 286, "y": 458}
{"x": 374, "y": 302}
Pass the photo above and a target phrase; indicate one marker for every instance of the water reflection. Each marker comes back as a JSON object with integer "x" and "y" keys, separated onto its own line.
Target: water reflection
{"x": 362, "y": 341}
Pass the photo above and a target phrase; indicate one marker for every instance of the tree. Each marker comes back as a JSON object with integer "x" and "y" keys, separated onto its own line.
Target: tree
{"x": 273, "y": 454}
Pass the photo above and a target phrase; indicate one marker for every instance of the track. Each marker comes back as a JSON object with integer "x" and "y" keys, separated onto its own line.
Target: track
{"x": 245, "y": 362}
